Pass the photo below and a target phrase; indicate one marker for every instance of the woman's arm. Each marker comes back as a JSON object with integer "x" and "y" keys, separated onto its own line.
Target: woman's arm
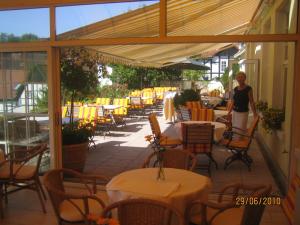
{"x": 252, "y": 103}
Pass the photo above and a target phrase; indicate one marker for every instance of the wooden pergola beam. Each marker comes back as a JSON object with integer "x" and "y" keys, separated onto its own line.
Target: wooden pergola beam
{"x": 156, "y": 40}
{"x": 21, "y": 4}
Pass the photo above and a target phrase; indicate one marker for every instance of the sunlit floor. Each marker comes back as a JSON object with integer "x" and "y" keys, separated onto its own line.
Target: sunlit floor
{"x": 126, "y": 149}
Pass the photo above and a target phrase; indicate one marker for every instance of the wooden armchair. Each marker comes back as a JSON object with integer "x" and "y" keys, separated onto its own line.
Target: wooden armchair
{"x": 239, "y": 147}
{"x": 235, "y": 210}
{"x": 198, "y": 139}
{"x": 73, "y": 207}
{"x": 20, "y": 169}
{"x": 144, "y": 212}
{"x": 174, "y": 158}
{"x": 158, "y": 138}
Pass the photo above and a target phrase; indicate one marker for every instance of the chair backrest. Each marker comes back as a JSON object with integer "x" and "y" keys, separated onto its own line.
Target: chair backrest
{"x": 174, "y": 158}
{"x": 185, "y": 113}
{"x": 253, "y": 212}
{"x": 144, "y": 212}
{"x": 154, "y": 125}
{"x": 209, "y": 115}
{"x": 136, "y": 101}
{"x": 101, "y": 111}
{"x": 289, "y": 202}
{"x": 197, "y": 138}
{"x": 64, "y": 111}
{"x": 197, "y": 133}
{"x": 102, "y": 101}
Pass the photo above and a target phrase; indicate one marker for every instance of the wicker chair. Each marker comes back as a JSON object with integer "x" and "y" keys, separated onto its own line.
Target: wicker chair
{"x": 73, "y": 207}
{"x": 198, "y": 139}
{"x": 20, "y": 169}
{"x": 174, "y": 158}
{"x": 158, "y": 138}
{"x": 144, "y": 212}
{"x": 240, "y": 147}
{"x": 230, "y": 207}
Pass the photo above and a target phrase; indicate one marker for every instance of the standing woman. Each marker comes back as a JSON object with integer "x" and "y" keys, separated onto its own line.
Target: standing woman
{"x": 242, "y": 96}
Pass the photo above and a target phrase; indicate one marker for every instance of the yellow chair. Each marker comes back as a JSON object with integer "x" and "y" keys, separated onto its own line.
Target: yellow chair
{"x": 102, "y": 101}
{"x": 123, "y": 111}
{"x": 149, "y": 101}
{"x": 158, "y": 138}
{"x": 64, "y": 111}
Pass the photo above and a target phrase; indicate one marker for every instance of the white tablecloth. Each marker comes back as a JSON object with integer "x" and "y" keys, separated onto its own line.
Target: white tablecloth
{"x": 211, "y": 100}
{"x": 111, "y": 107}
{"x": 218, "y": 132}
{"x": 220, "y": 113}
{"x": 179, "y": 189}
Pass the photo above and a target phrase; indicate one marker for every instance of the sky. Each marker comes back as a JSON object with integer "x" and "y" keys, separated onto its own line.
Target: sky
{"x": 37, "y": 21}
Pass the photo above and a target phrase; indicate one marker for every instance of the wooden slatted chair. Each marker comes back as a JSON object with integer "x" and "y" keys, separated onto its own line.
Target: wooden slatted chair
{"x": 136, "y": 104}
{"x": 120, "y": 113}
{"x": 104, "y": 121}
{"x": 289, "y": 202}
{"x": 239, "y": 147}
{"x": 158, "y": 138}
{"x": 144, "y": 212}
{"x": 73, "y": 207}
{"x": 173, "y": 158}
{"x": 198, "y": 139}
{"x": 229, "y": 210}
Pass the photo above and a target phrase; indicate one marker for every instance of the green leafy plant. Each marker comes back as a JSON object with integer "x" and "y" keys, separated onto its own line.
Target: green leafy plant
{"x": 42, "y": 101}
{"x": 79, "y": 78}
{"x": 113, "y": 91}
{"x": 185, "y": 96}
{"x": 78, "y": 135}
{"x": 262, "y": 106}
{"x": 272, "y": 119}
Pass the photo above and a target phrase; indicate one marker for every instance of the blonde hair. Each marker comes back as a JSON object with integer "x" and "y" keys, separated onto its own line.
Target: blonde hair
{"x": 241, "y": 73}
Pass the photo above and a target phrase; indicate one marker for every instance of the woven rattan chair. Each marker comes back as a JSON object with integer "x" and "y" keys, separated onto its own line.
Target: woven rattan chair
{"x": 174, "y": 158}
{"x": 160, "y": 139}
{"x": 231, "y": 208}
{"x": 239, "y": 147}
{"x": 20, "y": 170}
{"x": 73, "y": 207}
{"x": 144, "y": 212}
{"x": 198, "y": 139}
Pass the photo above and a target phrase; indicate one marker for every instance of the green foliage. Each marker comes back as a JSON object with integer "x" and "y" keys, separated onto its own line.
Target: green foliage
{"x": 185, "y": 96}
{"x": 113, "y": 91}
{"x": 78, "y": 135}
{"x": 42, "y": 101}
{"x": 224, "y": 79}
{"x": 193, "y": 75}
{"x": 79, "y": 79}
{"x": 138, "y": 77}
{"x": 262, "y": 106}
{"x": 272, "y": 119}
{"x": 4, "y": 37}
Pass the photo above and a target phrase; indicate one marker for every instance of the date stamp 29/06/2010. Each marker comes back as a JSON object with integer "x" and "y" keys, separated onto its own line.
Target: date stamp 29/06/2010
{"x": 240, "y": 201}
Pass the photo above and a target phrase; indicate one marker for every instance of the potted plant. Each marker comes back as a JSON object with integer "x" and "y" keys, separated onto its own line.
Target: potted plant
{"x": 79, "y": 78}
{"x": 186, "y": 96}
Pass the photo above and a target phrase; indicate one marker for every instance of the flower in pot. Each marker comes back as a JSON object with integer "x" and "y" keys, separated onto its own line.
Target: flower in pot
{"x": 79, "y": 78}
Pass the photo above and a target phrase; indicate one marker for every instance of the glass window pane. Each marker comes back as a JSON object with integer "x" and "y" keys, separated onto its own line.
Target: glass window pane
{"x": 24, "y": 101}
{"x": 130, "y": 19}
{"x": 24, "y": 25}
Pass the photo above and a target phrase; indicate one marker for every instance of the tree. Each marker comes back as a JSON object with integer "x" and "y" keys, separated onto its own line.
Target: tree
{"x": 193, "y": 75}
{"x": 224, "y": 79}
{"x": 4, "y": 37}
{"x": 139, "y": 77}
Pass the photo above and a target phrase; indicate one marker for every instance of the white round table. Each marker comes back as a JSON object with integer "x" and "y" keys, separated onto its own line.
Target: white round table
{"x": 220, "y": 113}
{"x": 218, "y": 131}
{"x": 178, "y": 189}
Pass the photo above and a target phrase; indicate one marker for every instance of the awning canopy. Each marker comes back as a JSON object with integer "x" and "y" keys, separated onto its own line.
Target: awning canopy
{"x": 185, "y": 17}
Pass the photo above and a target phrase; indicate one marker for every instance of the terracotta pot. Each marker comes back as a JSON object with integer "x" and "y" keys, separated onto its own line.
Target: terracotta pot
{"x": 74, "y": 156}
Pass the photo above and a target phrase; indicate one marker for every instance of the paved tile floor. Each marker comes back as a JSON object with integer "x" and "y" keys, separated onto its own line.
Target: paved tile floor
{"x": 126, "y": 149}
